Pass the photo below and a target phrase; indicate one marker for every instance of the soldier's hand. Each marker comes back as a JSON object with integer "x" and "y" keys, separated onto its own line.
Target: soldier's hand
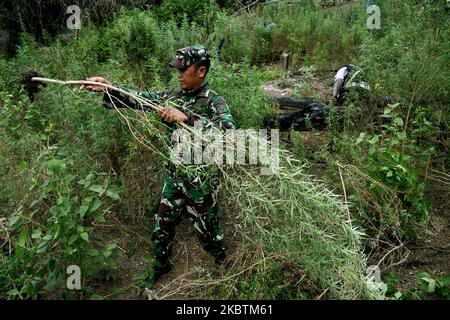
{"x": 171, "y": 114}
{"x": 95, "y": 88}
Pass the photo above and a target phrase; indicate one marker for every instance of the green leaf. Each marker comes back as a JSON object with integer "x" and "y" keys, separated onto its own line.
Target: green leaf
{"x": 86, "y": 182}
{"x": 50, "y": 187}
{"x": 42, "y": 136}
{"x": 66, "y": 208}
{"x": 93, "y": 252}
{"x": 22, "y": 238}
{"x": 97, "y": 188}
{"x": 428, "y": 282}
{"x": 57, "y": 230}
{"x": 111, "y": 246}
{"x": 431, "y": 285}
{"x": 70, "y": 251}
{"x": 55, "y": 165}
{"x": 393, "y": 106}
{"x": 42, "y": 249}
{"x": 33, "y": 203}
{"x": 85, "y": 236}
{"x": 22, "y": 165}
{"x": 20, "y": 252}
{"x": 394, "y": 142}
{"x": 87, "y": 200}
{"x": 361, "y": 137}
{"x": 73, "y": 238}
{"x": 14, "y": 218}
{"x": 113, "y": 194}
{"x": 47, "y": 237}
{"x": 398, "y": 121}
{"x": 97, "y": 203}
{"x": 54, "y": 210}
{"x": 96, "y": 297}
{"x": 99, "y": 217}
{"x": 445, "y": 280}
{"x": 401, "y": 135}
{"x": 13, "y": 292}
{"x": 36, "y": 234}
{"x": 374, "y": 140}
{"x": 83, "y": 209}
{"x": 55, "y": 279}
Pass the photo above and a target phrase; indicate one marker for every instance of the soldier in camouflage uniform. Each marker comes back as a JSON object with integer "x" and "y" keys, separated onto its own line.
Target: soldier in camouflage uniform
{"x": 179, "y": 193}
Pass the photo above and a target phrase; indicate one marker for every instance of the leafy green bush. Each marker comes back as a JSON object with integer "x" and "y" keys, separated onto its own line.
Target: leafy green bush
{"x": 392, "y": 168}
{"x": 54, "y": 227}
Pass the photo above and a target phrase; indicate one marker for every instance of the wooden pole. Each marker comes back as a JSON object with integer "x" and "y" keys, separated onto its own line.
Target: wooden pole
{"x": 285, "y": 61}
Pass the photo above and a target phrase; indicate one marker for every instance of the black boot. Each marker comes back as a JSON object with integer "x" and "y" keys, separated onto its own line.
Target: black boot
{"x": 217, "y": 250}
{"x": 220, "y": 257}
{"x": 161, "y": 268}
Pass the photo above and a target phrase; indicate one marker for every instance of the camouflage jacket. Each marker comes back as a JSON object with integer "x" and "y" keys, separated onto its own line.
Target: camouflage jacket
{"x": 203, "y": 102}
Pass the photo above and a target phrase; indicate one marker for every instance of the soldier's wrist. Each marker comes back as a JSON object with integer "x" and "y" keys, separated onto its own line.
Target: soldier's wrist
{"x": 191, "y": 118}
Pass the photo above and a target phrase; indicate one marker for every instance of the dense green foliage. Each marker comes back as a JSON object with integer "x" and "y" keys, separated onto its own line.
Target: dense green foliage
{"x": 68, "y": 167}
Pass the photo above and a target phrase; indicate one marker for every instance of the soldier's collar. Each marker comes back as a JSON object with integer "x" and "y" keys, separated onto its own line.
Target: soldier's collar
{"x": 200, "y": 92}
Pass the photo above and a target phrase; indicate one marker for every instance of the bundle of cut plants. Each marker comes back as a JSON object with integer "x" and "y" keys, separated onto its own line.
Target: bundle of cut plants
{"x": 299, "y": 218}
{"x": 292, "y": 213}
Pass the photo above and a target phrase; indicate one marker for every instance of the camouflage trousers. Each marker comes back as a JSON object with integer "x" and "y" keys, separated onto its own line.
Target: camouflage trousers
{"x": 201, "y": 206}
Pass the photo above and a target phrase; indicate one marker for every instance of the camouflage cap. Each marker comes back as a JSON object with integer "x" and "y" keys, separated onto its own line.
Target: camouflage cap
{"x": 186, "y": 57}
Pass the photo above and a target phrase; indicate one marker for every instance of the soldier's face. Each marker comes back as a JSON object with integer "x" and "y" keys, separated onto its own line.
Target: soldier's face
{"x": 191, "y": 78}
